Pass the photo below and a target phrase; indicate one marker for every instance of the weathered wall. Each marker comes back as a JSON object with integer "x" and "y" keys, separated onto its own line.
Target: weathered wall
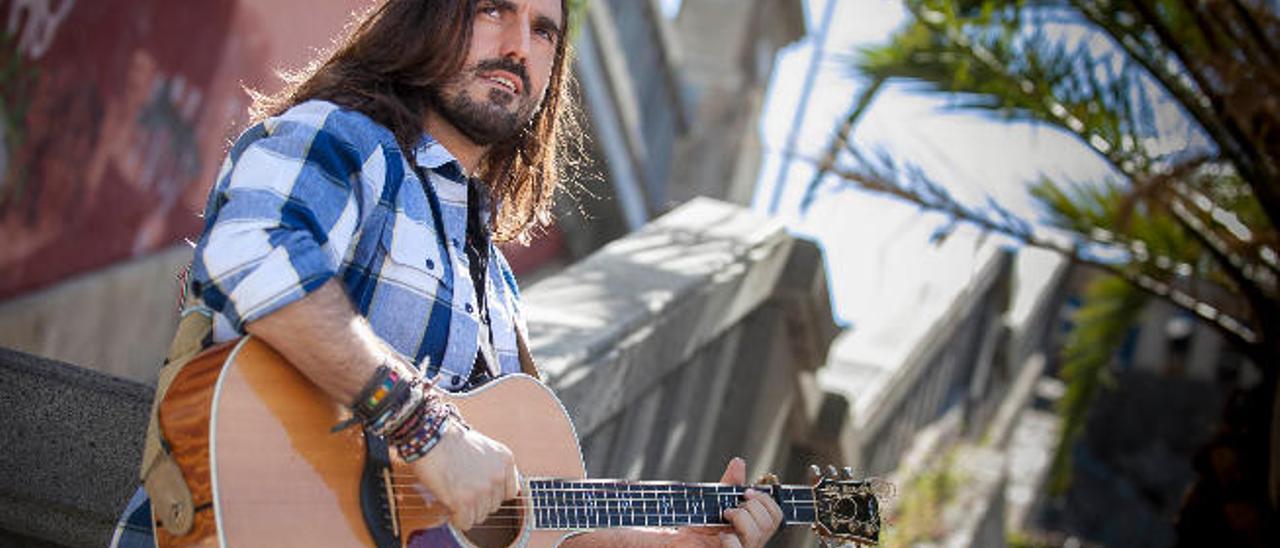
{"x": 116, "y": 115}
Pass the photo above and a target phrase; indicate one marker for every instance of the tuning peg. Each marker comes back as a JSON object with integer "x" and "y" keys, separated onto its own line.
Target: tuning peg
{"x": 848, "y": 472}
{"x": 832, "y": 472}
{"x": 815, "y": 473}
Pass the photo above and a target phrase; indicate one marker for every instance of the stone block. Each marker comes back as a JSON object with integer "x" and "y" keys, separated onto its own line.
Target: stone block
{"x": 72, "y": 442}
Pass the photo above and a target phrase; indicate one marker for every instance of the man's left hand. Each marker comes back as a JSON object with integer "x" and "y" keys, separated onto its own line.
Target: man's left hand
{"x": 754, "y": 521}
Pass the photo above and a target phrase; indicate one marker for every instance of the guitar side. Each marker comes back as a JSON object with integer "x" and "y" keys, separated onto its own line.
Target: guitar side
{"x": 276, "y": 476}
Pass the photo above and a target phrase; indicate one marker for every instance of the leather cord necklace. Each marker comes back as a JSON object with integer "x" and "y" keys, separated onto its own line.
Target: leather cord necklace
{"x": 486, "y": 365}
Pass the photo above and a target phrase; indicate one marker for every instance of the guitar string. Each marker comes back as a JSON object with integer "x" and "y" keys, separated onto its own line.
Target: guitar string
{"x": 629, "y": 487}
{"x": 407, "y": 490}
{"x": 579, "y": 508}
{"x": 621, "y": 488}
{"x": 799, "y": 505}
{"x": 570, "y": 507}
{"x": 395, "y": 484}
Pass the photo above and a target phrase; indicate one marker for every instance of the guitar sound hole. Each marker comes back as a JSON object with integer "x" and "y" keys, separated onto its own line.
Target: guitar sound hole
{"x": 502, "y": 529}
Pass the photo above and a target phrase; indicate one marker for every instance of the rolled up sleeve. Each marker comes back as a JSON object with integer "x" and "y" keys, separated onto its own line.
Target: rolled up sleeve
{"x": 281, "y": 220}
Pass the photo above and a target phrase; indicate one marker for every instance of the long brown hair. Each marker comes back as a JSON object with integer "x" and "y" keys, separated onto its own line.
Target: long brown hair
{"x": 384, "y": 65}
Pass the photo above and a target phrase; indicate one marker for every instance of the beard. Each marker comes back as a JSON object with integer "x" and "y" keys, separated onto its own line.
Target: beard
{"x": 489, "y": 119}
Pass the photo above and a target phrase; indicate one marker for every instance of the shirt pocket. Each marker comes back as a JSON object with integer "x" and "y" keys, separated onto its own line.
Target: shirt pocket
{"x": 413, "y": 257}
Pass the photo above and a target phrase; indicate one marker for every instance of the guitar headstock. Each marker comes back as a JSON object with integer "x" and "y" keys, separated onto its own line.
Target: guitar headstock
{"x": 848, "y": 509}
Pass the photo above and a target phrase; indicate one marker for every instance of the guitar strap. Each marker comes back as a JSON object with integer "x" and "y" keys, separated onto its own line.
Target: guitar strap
{"x": 170, "y": 495}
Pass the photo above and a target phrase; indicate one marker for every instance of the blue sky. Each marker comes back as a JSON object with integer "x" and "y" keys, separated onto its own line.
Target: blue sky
{"x": 877, "y": 248}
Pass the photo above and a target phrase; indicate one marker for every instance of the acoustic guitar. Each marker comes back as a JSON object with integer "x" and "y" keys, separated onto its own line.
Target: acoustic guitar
{"x": 253, "y": 439}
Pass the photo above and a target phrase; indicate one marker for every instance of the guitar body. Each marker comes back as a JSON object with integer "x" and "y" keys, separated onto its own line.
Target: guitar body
{"x": 268, "y": 471}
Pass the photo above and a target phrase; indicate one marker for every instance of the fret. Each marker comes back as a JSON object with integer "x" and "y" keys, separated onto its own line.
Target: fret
{"x": 700, "y": 505}
{"x": 557, "y": 504}
{"x": 636, "y": 506}
{"x": 540, "y": 503}
{"x": 673, "y": 515}
{"x": 717, "y": 494}
{"x": 647, "y": 499}
{"x": 621, "y": 504}
{"x": 589, "y": 508}
{"x": 661, "y": 498}
{"x": 798, "y": 505}
{"x": 545, "y": 502}
{"x": 595, "y": 503}
{"x": 608, "y": 505}
{"x": 574, "y": 501}
{"x": 535, "y": 504}
{"x": 553, "y": 520}
{"x": 666, "y": 515}
{"x": 631, "y": 504}
{"x": 574, "y": 515}
{"x": 664, "y": 496}
{"x": 554, "y": 505}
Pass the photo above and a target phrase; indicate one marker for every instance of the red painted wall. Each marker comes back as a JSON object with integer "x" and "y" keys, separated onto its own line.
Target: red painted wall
{"x": 114, "y": 116}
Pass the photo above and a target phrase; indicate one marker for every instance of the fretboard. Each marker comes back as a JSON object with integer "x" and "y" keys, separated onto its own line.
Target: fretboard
{"x": 596, "y": 504}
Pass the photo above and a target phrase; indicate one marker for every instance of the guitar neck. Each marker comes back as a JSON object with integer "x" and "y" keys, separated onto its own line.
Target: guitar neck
{"x": 596, "y": 504}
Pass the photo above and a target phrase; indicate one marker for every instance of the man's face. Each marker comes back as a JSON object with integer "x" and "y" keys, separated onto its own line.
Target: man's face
{"x": 508, "y": 67}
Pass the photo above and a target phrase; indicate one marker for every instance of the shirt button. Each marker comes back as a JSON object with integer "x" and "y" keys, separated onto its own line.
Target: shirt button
{"x": 456, "y": 379}
{"x": 431, "y": 265}
{"x": 469, "y": 308}
{"x": 456, "y": 243}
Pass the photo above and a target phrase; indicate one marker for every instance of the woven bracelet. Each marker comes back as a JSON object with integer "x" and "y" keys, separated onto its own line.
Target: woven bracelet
{"x": 382, "y": 396}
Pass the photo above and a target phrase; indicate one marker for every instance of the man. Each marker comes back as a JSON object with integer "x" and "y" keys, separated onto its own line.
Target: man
{"x": 352, "y": 230}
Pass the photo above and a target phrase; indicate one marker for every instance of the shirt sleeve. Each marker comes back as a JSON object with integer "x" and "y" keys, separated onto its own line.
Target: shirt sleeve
{"x": 283, "y": 218}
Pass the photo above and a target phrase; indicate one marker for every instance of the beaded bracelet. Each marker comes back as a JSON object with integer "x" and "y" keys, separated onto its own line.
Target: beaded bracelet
{"x": 424, "y": 439}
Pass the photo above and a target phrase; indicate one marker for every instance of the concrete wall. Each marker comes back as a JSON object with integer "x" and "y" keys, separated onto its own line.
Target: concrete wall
{"x": 118, "y": 321}
{"x": 954, "y": 380}
{"x": 680, "y": 346}
{"x": 727, "y": 58}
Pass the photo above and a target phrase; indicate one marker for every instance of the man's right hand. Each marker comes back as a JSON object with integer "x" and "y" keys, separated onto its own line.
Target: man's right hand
{"x": 470, "y": 473}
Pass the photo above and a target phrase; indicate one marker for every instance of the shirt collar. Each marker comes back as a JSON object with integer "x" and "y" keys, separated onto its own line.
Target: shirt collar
{"x": 430, "y": 154}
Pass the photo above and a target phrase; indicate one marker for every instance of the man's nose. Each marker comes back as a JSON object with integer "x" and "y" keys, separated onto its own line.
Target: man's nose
{"x": 516, "y": 39}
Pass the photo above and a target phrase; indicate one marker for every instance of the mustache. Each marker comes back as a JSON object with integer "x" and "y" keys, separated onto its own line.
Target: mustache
{"x": 508, "y": 65}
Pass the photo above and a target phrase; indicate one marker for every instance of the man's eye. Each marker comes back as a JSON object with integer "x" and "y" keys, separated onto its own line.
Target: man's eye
{"x": 545, "y": 34}
{"x": 489, "y": 10}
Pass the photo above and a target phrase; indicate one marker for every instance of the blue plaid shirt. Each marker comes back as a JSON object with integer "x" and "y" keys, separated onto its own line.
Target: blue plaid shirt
{"x": 323, "y": 192}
